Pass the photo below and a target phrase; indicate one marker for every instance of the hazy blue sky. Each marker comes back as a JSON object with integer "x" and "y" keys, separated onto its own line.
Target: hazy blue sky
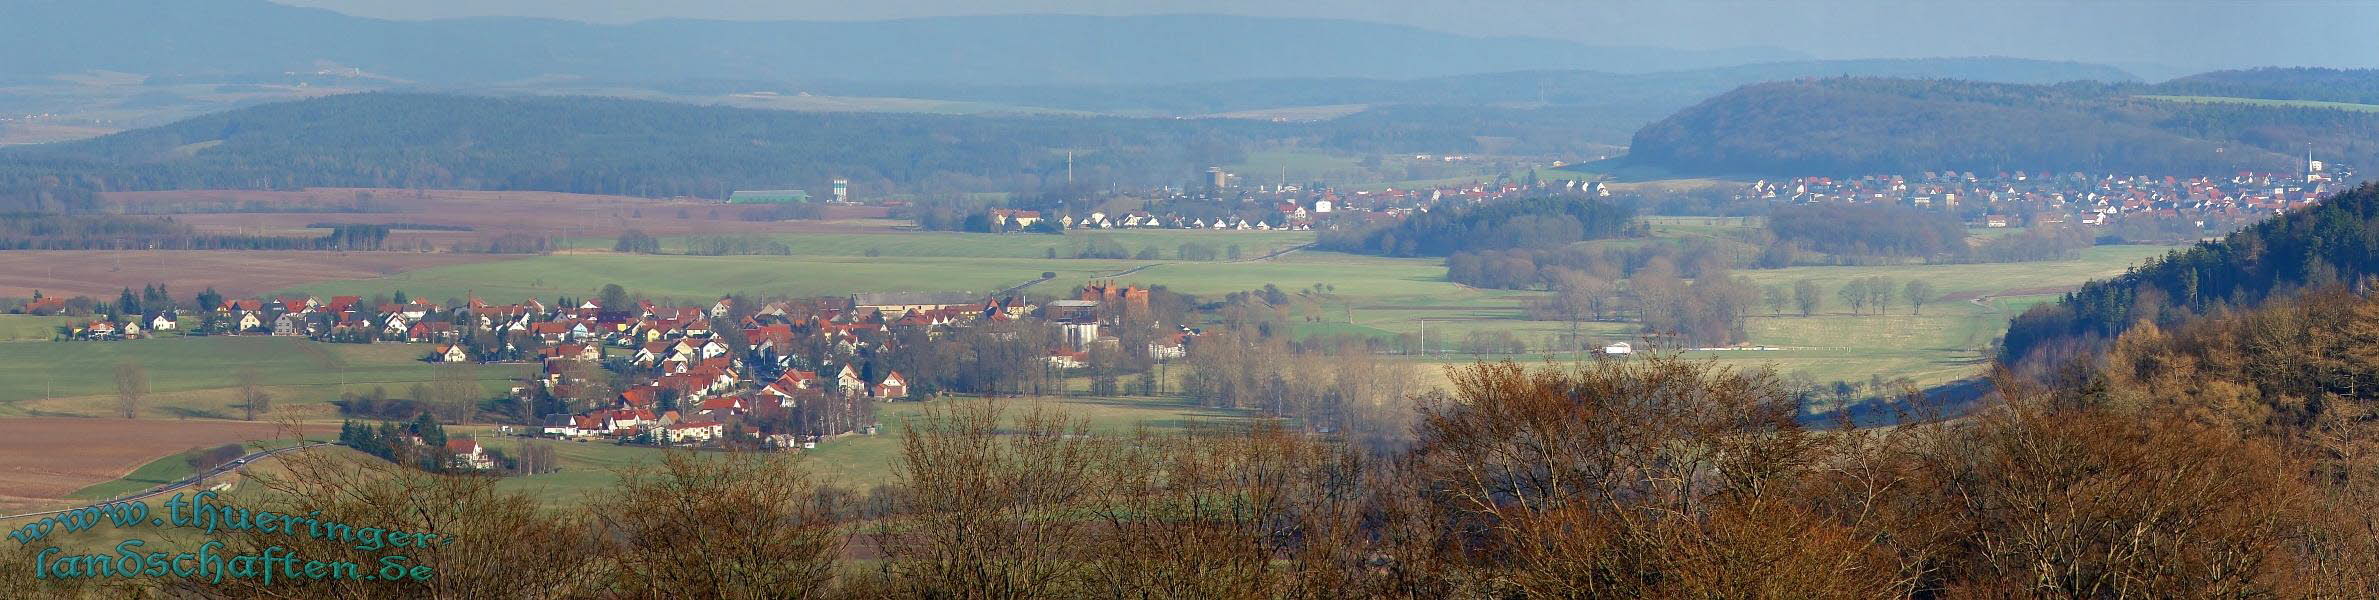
{"x": 2183, "y": 33}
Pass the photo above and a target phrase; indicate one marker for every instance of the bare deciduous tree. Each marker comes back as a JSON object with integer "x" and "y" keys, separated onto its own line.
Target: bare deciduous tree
{"x": 253, "y": 398}
{"x": 132, "y": 388}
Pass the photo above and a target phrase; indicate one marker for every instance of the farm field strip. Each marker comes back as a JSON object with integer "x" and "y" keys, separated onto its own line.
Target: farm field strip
{"x": 45, "y": 460}
{"x": 102, "y": 273}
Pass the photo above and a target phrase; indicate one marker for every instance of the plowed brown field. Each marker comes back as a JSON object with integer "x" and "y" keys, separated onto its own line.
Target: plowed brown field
{"x": 44, "y": 459}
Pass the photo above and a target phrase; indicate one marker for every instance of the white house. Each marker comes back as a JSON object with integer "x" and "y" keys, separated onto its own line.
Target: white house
{"x": 468, "y": 454}
{"x": 559, "y": 425}
{"x": 693, "y": 431}
{"x": 450, "y": 353}
{"x": 1068, "y": 360}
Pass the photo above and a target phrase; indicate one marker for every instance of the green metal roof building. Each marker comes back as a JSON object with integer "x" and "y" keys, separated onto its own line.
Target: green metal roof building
{"x": 768, "y": 197}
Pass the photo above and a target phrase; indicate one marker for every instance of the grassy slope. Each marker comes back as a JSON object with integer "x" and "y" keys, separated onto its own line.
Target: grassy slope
{"x": 21, "y": 328}
{"x": 158, "y": 472}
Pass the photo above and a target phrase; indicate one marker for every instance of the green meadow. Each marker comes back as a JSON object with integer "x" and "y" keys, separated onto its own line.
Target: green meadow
{"x": 821, "y": 265}
{"x": 23, "y": 328}
{"x": 192, "y": 377}
{"x": 856, "y": 461}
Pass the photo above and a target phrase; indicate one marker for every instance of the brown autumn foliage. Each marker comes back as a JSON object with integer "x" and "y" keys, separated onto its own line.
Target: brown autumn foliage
{"x": 1639, "y": 478}
{"x": 735, "y": 526}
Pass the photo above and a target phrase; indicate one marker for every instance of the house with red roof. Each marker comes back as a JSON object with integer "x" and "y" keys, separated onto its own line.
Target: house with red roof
{"x": 646, "y": 396}
{"x": 893, "y": 387}
{"x": 449, "y": 353}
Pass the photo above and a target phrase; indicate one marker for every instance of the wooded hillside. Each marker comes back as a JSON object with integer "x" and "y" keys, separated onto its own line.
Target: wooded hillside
{"x": 1847, "y": 126}
{"x": 2330, "y": 244}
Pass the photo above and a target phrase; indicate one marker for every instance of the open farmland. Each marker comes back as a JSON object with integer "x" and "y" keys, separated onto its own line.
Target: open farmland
{"x": 192, "y": 377}
{"x": 706, "y": 277}
{"x": 101, "y": 273}
{"x": 1365, "y": 295}
{"x": 1949, "y": 341}
{"x": 1167, "y": 242}
{"x": 487, "y": 214}
{"x": 44, "y": 460}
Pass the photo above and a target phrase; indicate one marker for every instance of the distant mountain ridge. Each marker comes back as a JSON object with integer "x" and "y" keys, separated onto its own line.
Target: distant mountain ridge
{"x": 232, "y": 37}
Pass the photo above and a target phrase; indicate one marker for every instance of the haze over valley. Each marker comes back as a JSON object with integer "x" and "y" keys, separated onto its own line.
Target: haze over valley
{"x": 1066, "y": 299}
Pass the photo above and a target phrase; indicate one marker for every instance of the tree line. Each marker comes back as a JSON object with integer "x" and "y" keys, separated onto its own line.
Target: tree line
{"x": 1539, "y": 222}
{"x": 1869, "y": 230}
{"x": 56, "y": 231}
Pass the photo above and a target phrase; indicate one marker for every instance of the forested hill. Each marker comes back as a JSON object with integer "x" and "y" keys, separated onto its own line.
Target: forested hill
{"x": 2358, "y": 86}
{"x": 1846, "y": 126}
{"x": 612, "y": 146}
{"x": 2336, "y": 242}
